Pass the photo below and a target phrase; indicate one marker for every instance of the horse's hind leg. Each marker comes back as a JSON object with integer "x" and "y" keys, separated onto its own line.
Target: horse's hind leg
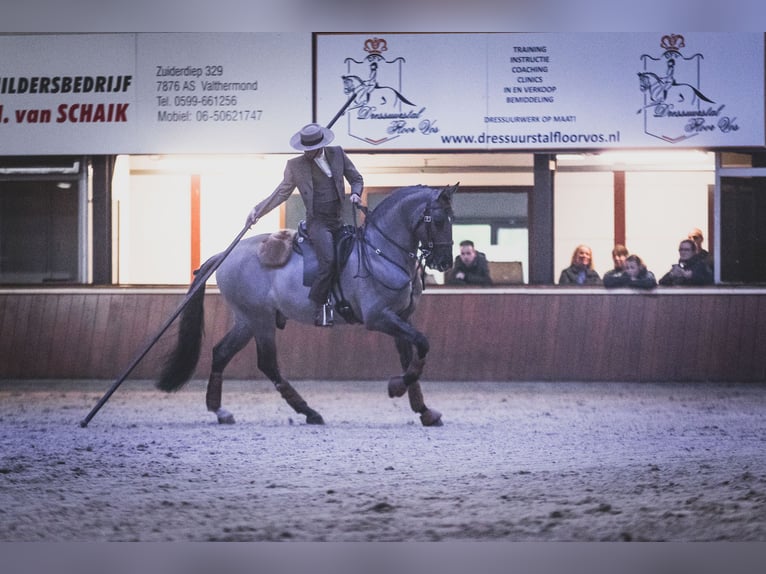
{"x": 232, "y": 343}
{"x": 267, "y": 363}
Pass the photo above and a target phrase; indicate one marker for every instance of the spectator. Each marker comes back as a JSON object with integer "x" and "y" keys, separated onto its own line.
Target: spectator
{"x": 581, "y": 271}
{"x": 470, "y": 267}
{"x": 690, "y": 269}
{"x": 696, "y": 236}
{"x": 619, "y": 253}
{"x": 635, "y": 275}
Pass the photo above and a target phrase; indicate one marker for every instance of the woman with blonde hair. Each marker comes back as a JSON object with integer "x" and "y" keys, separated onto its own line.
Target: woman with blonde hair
{"x": 581, "y": 271}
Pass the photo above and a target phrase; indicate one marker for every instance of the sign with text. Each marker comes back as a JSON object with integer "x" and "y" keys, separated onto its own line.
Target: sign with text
{"x": 543, "y": 91}
{"x": 153, "y": 93}
{"x": 249, "y": 92}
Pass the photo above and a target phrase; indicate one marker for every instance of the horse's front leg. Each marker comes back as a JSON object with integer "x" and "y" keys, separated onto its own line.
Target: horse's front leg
{"x": 406, "y": 336}
{"x": 412, "y": 366}
{"x": 428, "y": 417}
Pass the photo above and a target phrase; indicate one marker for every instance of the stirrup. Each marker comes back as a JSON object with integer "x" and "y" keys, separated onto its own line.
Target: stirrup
{"x": 324, "y": 316}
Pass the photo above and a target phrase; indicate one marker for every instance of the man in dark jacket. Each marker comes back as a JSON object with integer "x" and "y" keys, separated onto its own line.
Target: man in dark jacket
{"x": 470, "y": 267}
{"x": 318, "y": 174}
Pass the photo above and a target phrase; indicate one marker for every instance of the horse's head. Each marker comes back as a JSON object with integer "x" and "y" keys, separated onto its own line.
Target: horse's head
{"x": 435, "y": 230}
{"x": 350, "y": 83}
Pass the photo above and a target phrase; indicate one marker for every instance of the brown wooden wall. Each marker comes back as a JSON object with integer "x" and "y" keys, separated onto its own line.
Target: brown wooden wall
{"x": 525, "y": 334}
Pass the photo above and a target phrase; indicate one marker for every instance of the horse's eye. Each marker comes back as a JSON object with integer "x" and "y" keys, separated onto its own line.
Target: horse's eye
{"x": 439, "y": 222}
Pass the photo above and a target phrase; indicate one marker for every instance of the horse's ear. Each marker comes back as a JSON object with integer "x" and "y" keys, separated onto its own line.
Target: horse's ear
{"x": 450, "y": 190}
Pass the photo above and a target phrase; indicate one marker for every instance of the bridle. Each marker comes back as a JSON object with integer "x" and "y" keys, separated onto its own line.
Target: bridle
{"x": 426, "y": 244}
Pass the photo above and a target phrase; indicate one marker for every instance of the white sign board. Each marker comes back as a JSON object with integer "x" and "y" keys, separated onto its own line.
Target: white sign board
{"x": 153, "y": 93}
{"x": 249, "y": 92}
{"x": 543, "y": 91}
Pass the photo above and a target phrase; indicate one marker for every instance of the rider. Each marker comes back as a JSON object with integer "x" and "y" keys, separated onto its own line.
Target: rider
{"x": 318, "y": 174}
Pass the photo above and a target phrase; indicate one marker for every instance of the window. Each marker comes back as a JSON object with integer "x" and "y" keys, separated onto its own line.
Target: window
{"x": 40, "y": 221}
{"x": 494, "y": 218}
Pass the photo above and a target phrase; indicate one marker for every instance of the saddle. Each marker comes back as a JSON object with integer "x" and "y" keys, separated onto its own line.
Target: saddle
{"x": 344, "y": 244}
{"x": 275, "y": 251}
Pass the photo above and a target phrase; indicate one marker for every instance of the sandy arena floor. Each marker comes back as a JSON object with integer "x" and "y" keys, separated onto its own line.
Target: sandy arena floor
{"x": 513, "y": 462}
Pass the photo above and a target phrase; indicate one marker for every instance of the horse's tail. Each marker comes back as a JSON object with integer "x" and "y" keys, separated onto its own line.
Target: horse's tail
{"x": 180, "y": 364}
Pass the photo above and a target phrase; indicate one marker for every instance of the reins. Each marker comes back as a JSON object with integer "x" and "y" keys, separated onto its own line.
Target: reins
{"x": 364, "y": 256}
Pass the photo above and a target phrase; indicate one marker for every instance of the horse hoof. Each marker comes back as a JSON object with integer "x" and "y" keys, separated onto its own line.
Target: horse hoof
{"x": 314, "y": 418}
{"x": 396, "y": 387}
{"x": 224, "y": 417}
{"x": 431, "y": 418}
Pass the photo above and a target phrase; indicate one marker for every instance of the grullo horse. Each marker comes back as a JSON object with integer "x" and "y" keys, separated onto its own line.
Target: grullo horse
{"x": 380, "y": 286}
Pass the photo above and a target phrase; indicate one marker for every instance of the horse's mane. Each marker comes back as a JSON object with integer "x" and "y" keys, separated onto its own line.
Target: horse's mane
{"x": 396, "y": 196}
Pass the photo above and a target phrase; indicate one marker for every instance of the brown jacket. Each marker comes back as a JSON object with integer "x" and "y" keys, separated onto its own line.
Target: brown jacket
{"x": 298, "y": 174}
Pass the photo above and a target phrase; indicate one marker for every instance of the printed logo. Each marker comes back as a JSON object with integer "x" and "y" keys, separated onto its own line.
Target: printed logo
{"x": 675, "y": 106}
{"x": 377, "y": 108}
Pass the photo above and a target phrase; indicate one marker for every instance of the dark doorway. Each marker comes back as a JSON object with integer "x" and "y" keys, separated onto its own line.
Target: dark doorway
{"x": 38, "y": 231}
{"x": 743, "y": 229}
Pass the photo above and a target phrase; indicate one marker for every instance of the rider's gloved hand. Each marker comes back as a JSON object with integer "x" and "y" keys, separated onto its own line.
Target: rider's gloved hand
{"x": 356, "y": 198}
{"x": 251, "y": 218}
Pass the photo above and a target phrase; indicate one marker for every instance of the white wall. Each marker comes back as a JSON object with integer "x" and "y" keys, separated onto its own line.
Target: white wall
{"x": 155, "y": 230}
{"x": 228, "y": 195}
{"x": 583, "y": 213}
{"x": 661, "y": 208}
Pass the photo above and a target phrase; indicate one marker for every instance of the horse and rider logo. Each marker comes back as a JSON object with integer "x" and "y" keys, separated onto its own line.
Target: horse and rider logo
{"x": 379, "y": 111}
{"x": 675, "y": 107}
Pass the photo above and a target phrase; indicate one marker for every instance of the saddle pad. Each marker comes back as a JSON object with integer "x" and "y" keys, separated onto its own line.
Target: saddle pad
{"x": 275, "y": 250}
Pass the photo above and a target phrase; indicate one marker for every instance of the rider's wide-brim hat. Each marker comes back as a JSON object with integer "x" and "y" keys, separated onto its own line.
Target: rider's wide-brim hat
{"x": 312, "y": 136}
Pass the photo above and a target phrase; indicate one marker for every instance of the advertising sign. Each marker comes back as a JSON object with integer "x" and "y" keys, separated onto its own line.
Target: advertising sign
{"x": 153, "y": 93}
{"x": 169, "y": 93}
{"x": 543, "y": 91}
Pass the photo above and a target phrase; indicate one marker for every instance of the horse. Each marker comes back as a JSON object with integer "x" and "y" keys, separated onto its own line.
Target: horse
{"x": 381, "y": 284}
{"x": 664, "y": 93}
